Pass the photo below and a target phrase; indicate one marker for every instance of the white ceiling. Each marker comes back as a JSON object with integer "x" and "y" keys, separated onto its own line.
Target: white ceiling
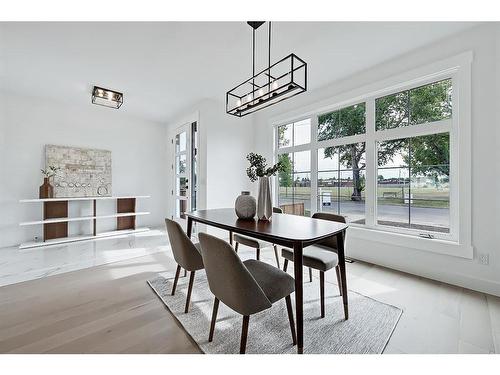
{"x": 165, "y": 68}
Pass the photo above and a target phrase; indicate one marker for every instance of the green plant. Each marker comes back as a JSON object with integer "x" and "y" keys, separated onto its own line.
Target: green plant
{"x": 50, "y": 171}
{"x": 258, "y": 167}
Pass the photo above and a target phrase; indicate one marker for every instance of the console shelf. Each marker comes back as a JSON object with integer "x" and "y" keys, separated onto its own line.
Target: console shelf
{"x": 55, "y": 218}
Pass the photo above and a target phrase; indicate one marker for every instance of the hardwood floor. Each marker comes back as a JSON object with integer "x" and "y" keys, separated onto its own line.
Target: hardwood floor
{"x": 110, "y": 309}
{"x": 106, "y": 309}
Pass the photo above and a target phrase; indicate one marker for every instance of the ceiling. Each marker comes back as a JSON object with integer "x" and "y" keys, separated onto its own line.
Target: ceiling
{"x": 166, "y": 68}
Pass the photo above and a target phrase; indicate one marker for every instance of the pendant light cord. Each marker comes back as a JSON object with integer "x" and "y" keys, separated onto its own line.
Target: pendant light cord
{"x": 269, "y": 60}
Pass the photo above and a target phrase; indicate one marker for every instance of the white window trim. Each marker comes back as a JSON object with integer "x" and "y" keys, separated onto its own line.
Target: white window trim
{"x": 458, "y": 68}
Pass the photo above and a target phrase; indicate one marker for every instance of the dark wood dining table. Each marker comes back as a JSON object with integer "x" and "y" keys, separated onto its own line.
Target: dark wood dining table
{"x": 290, "y": 231}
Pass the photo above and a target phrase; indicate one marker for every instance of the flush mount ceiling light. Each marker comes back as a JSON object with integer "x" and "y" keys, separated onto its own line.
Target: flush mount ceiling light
{"x": 107, "y": 97}
{"x": 277, "y": 82}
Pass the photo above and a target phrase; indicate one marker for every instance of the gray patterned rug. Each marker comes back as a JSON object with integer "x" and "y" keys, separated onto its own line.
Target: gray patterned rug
{"x": 368, "y": 329}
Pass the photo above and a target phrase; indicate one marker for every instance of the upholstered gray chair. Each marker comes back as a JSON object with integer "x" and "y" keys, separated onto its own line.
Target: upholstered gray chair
{"x": 186, "y": 254}
{"x": 257, "y": 244}
{"x": 246, "y": 287}
{"x": 321, "y": 256}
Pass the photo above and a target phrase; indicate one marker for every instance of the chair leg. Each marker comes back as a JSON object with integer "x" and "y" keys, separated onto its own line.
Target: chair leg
{"x": 276, "y": 255}
{"x": 322, "y": 292}
{"x": 285, "y": 265}
{"x": 310, "y": 275}
{"x": 339, "y": 280}
{"x": 177, "y": 272}
{"x": 190, "y": 288}
{"x": 290, "y": 318}
{"x": 258, "y": 254}
{"x": 236, "y": 246}
{"x": 214, "y": 318}
{"x": 244, "y": 334}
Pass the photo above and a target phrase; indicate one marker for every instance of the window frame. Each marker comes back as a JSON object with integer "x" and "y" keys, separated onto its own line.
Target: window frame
{"x": 458, "y": 69}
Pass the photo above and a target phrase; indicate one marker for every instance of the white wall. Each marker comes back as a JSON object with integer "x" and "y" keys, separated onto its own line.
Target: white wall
{"x": 138, "y": 157}
{"x": 224, "y": 143}
{"x": 484, "y": 41}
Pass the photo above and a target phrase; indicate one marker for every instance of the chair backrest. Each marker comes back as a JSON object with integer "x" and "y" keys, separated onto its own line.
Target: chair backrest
{"x": 277, "y": 210}
{"x": 330, "y": 242}
{"x": 229, "y": 279}
{"x": 185, "y": 253}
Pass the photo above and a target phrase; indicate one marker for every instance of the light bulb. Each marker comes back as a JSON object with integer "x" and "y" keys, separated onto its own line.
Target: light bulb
{"x": 100, "y": 93}
{"x": 110, "y": 95}
{"x": 238, "y": 102}
{"x": 274, "y": 85}
{"x": 249, "y": 98}
{"x": 261, "y": 92}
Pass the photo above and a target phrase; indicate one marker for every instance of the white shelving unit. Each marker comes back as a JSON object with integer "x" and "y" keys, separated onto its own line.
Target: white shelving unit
{"x": 55, "y": 219}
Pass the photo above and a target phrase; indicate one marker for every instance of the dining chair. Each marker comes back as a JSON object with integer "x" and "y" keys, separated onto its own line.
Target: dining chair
{"x": 257, "y": 244}
{"x": 321, "y": 256}
{"x": 246, "y": 287}
{"x": 186, "y": 254}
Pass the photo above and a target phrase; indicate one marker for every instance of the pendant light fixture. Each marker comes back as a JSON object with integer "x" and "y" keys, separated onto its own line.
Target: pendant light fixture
{"x": 277, "y": 82}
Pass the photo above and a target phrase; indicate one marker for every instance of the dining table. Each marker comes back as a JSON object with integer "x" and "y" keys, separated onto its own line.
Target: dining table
{"x": 291, "y": 231}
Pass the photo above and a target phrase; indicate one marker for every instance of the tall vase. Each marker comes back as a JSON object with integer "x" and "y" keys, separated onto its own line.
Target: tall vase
{"x": 264, "y": 203}
{"x": 46, "y": 190}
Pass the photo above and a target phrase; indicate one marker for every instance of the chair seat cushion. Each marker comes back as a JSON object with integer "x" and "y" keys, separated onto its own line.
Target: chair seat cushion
{"x": 249, "y": 241}
{"x": 275, "y": 283}
{"x": 316, "y": 256}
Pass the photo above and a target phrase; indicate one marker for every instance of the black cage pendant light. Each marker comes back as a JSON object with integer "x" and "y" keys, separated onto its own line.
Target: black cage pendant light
{"x": 277, "y": 82}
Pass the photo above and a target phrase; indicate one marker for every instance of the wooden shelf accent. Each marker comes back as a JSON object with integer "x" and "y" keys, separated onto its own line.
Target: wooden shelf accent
{"x": 55, "y": 218}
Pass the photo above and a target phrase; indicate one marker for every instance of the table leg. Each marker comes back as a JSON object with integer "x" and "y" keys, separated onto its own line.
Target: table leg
{"x": 231, "y": 238}
{"x": 189, "y": 227}
{"x": 299, "y": 307}
{"x": 341, "y": 254}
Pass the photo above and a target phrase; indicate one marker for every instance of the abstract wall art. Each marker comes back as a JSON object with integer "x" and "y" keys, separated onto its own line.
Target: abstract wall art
{"x": 84, "y": 172}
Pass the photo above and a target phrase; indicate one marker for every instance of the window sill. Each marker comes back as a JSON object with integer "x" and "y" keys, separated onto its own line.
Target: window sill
{"x": 411, "y": 242}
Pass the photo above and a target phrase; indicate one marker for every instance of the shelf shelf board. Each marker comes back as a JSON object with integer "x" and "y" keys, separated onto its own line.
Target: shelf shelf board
{"x": 82, "y": 198}
{"x": 85, "y": 237}
{"x": 82, "y": 218}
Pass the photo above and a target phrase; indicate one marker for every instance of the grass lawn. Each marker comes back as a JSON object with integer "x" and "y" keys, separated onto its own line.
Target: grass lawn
{"x": 421, "y": 197}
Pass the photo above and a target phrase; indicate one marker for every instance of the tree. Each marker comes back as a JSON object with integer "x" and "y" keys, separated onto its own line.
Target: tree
{"x": 341, "y": 123}
{"x": 429, "y": 154}
{"x": 285, "y": 174}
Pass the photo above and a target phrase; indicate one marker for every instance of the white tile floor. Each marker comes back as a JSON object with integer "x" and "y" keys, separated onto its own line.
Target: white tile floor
{"x": 437, "y": 317}
{"x": 18, "y": 265}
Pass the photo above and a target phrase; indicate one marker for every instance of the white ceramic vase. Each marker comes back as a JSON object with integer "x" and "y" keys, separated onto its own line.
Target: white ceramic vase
{"x": 245, "y": 206}
{"x": 264, "y": 203}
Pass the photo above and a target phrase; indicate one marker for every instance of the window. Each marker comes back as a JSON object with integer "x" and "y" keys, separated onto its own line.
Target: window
{"x": 294, "y": 182}
{"x": 413, "y": 183}
{"x": 329, "y": 158}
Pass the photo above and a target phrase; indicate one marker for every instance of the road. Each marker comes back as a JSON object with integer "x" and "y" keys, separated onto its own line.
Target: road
{"x": 439, "y": 217}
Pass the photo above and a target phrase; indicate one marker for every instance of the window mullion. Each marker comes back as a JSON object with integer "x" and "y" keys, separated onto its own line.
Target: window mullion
{"x": 314, "y": 164}
{"x": 371, "y": 165}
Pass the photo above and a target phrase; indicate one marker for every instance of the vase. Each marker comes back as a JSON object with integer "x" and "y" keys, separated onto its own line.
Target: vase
{"x": 245, "y": 206}
{"x": 264, "y": 203}
{"x": 46, "y": 190}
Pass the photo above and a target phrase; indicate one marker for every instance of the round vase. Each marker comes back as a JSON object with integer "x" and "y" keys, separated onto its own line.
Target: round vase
{"x": 245, "y": 206}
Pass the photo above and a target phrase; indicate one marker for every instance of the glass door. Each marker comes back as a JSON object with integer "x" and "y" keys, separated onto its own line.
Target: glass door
{"x": 182, "y": 172}
{"x": 184, "y": 168}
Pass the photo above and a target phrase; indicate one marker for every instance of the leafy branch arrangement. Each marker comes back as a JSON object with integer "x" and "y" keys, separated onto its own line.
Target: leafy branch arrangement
{"x": 51, "y": 171}
{"x": 258, "y": 167}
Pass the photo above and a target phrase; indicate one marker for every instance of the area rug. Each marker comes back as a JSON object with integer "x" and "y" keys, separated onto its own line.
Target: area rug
{"x": 367, "y": 330}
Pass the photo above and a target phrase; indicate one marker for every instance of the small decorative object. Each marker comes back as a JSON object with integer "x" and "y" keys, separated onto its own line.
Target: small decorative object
{"x": 245, "y": 206}
{"x": 47, "y": 190}
{"x": 258, "y": 169}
